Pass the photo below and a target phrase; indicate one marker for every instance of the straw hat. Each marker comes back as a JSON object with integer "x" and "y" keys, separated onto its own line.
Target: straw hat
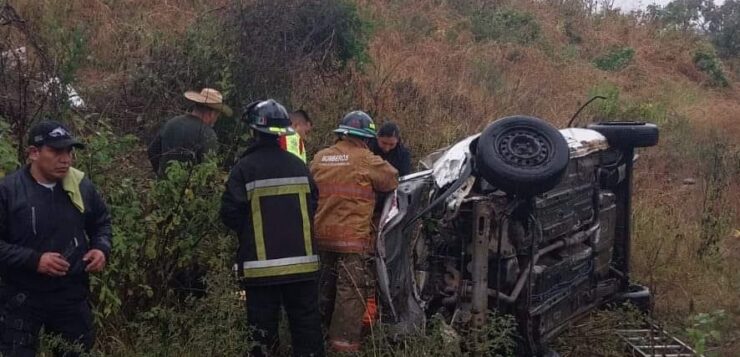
{"x": 210, "y": 98}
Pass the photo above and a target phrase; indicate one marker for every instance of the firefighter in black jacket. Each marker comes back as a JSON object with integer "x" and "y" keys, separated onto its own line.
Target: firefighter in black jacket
{"x": 54, "y": 230}
{"x": 269, "y": 201}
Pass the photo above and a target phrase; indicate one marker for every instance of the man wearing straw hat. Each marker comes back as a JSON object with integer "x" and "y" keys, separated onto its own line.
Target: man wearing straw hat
{"x": 188, "y": 137}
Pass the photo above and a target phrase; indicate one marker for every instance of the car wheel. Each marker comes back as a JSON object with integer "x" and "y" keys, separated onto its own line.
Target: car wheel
{"x": 522, "y": 155}
{"x": 623, "y": 134}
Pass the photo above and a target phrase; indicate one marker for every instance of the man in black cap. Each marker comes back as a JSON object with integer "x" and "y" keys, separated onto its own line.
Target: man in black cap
{"x": 54, "y": 230}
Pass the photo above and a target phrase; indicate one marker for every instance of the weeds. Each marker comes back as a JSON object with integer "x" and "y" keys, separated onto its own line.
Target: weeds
{"x": 505, "y": 26}
{"x": 706, "y": 60}
{"x": 8, "y": 157}
{"x": 705, "y": 328}
{"x": 594, "y": 335}
{"x": 615, "y": 59}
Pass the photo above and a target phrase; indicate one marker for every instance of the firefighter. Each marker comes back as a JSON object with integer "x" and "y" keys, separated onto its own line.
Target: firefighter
{"x": 269, "y": 201}
{"x": 348, "y": 175}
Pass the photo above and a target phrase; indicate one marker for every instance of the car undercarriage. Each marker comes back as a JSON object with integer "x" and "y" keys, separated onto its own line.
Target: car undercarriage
{"x": 521, "y": 219}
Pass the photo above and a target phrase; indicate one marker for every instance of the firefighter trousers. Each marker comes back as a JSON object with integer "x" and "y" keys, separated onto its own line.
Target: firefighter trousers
{"x": 300, "y": 300}
{"x": 346, "y": 282}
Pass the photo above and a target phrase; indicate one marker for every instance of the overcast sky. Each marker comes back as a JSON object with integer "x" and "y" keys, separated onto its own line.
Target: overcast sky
{"x": 628, "y": 5}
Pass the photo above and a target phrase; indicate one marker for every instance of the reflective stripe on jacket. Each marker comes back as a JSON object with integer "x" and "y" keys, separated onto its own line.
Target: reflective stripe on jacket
{"x": 269, "y": 201}
{"x": 294, "y": 145}
{"x": 348, "y": 176}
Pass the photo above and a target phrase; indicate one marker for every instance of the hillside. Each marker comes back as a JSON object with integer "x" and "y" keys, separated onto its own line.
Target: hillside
{"x": 442, "y": 70}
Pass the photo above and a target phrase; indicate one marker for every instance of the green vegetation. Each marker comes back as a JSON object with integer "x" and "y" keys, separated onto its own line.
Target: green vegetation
{"x": 706, "y": 60}
{"x": 505, "y": 26}
{"x": 615, "y": 59}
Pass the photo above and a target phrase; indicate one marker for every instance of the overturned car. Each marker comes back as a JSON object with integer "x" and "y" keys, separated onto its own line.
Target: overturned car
{"x": 521, "y": 219}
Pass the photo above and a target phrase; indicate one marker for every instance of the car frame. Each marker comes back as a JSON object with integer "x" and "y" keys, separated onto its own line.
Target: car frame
{"x": 520, "y": 219}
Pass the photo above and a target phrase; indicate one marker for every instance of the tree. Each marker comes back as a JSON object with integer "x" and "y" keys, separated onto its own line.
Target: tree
{"x": 683, "y": 15}
{"x": 723, "y": 27}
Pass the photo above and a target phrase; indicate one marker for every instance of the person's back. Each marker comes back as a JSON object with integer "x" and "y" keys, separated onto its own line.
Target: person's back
{"x": 348, "y": 175}
{"x": 188, "y": 137}
{"x": 269, "y": 202}
{"x": 185, "y": 138}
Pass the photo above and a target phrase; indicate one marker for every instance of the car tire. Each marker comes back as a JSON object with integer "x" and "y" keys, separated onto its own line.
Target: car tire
{"x": 522, "y": 155}
{"x": 626, "y": 134}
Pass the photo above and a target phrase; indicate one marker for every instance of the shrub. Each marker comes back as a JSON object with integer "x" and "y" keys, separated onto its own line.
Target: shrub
{"x": 505, "y": 25}
{"x": 615, "y": 60}
{"x": 705, "y": 328}
{"x": 8, "y": 154}
{"x": 706, "y": 60}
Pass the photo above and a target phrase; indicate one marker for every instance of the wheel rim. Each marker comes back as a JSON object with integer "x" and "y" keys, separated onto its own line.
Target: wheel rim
{"x": 523, "y": 148}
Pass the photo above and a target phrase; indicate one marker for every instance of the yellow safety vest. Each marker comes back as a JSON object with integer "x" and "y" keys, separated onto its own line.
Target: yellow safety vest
{"x": 294, "y": 145}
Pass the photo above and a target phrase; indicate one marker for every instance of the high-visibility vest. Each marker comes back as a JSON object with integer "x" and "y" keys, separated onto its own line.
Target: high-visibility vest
{"x": 294, "y": 145}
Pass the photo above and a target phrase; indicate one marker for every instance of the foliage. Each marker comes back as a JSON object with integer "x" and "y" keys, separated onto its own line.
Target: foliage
{"x": 724, "y": 28}
{"x": 681, "y": 14}
{"x": 594, "y": 335}
{"x": 705, "y": 328}
{"x": 38, "y": 62}
{"x": 720, "y": 23}
{"x": 707, "y": 61}
{"x": 440, "y": 339}
{"x": 505, "y": 25}
{"x": 716, "y": 212}
{"x": 8, "y": 157}
{"x": 615, "y": 60}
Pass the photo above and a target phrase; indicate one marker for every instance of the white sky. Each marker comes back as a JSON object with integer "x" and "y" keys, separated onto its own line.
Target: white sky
{"x": 627, "y": 5}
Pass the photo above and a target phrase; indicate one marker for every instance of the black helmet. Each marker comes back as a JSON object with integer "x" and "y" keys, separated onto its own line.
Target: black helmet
{"x": 268, "y": 116}
{"x": 357, "y": 123}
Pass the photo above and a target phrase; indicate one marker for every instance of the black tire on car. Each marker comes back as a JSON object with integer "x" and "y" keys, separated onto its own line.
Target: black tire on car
{"x": 522, "y": 155}
{"x": 627, "y": 134}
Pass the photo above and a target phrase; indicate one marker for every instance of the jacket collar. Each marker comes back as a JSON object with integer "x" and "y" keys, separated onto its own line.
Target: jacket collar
{"x": 260, "y": 143}
{"x": 352, "y": 143}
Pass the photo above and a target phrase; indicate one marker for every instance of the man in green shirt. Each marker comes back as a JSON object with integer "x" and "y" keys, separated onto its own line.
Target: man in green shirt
{"x": 188, "y": 137}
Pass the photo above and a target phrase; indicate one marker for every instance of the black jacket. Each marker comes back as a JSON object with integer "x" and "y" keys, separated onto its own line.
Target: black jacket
{"x": 35, "y": 220}
{"x": 270, "y": 193}
{"x": 184, "y": 138}
{"x": 399, "y": 157}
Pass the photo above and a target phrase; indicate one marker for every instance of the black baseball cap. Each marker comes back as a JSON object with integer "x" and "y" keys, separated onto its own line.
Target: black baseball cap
{"x": 54, "y": 134}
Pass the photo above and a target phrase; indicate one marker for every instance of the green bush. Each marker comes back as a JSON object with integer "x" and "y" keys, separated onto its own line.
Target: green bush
{"x": 615, "y": 60}
{"x": 505, "y": 25}
{"x": 8, "y": 154}
{"x": 706, "y": 60}
{"x": 704, "y": 329}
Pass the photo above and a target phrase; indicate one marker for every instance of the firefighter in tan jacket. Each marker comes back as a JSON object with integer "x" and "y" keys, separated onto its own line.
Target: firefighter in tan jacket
{"x": 348, "y": 176}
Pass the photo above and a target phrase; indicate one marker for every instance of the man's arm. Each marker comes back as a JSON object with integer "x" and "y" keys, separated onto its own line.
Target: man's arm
{"x": 382, "y": 174}
{"x": 12, "y": 255}
{"x": 154, "y": 152}
{"x": 234, "y": 204}
{"x": 98, "y": 223}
